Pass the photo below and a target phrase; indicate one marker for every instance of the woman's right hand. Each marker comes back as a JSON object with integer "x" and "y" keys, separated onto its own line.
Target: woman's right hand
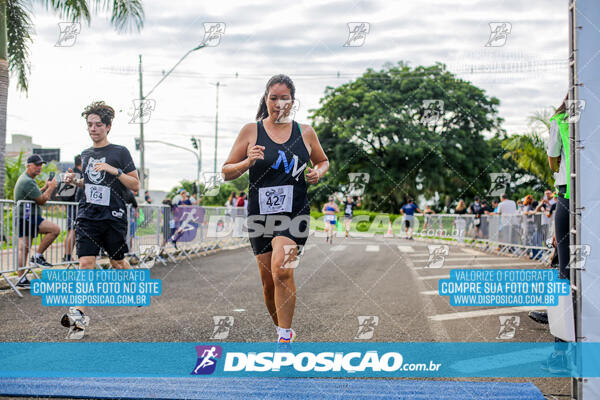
{"x": 254, "y": 153}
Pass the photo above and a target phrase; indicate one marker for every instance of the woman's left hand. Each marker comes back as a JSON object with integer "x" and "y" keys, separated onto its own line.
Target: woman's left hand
{"x": 312, "y": 176}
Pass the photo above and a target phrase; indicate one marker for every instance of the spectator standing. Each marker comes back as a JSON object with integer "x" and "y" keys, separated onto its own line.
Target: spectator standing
{"x": 408, "y": 216}
{"x": 177, "y": 198}
{"x": 72, "y": 211}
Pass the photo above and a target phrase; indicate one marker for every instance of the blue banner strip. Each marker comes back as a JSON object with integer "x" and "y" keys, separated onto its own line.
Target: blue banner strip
{"x": 322, "y": 359}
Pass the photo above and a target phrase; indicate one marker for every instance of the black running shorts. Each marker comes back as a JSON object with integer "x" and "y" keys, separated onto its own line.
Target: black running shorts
{"x": 261, "y": 234}
{"x": 93, "y": 235}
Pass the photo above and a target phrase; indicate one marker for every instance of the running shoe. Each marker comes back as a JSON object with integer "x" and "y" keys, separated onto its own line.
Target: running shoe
{"x": 67, "y": 258}
{"x": 541, "y": 317}
{"x": 24, "y": 283}
{"x": 76, "y": 321}
{"x": 40, "y": 261}
{"x": 287, "y": 340}
{"x": 284, "y": 345}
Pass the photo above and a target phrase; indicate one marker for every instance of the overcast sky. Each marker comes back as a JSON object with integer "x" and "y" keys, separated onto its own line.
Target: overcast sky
{"x": 263, "y": 38}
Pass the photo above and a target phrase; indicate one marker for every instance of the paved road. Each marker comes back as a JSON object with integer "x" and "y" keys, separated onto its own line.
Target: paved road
{"x": 335, "y": 283}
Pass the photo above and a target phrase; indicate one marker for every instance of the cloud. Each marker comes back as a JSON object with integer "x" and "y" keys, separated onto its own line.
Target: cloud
{"x": 304, "y": 40}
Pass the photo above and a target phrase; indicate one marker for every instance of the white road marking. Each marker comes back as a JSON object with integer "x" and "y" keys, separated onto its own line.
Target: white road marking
{"x": 471, "y": 251}
{"x": 373, "y": 248}
{"x": 454, "y": 258}
{"x": 483, "y": 266}
{"x": 406, "y": 249}
{"x": 338, "y": 247}
{"x": 430, "y": 292}
{"x": 425, "y": 278}
{"x": 482, "y": 313}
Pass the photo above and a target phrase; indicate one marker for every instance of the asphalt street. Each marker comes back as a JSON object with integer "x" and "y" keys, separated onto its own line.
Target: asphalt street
{"x": 337, "y": 286}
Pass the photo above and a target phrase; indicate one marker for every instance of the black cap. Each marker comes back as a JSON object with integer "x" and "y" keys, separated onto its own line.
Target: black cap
{"x": 35, "y": 159}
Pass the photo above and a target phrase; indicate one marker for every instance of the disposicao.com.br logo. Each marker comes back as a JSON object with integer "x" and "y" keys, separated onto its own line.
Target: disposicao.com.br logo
{"x": 327, "y": 361}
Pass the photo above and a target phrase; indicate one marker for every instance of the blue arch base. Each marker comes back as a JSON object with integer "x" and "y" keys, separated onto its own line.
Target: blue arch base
{"x": 265, "y": 388}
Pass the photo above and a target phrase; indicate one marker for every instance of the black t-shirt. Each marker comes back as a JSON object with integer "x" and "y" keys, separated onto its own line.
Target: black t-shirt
{"x": 349, "y": 207}
{"x": 486, "y": 208}
{"x": 476, "y": 208}
{"x": 104, "y": 195}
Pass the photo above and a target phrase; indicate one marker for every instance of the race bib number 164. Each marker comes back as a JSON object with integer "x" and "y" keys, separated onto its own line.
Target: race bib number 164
{"x": 97, "y": 194}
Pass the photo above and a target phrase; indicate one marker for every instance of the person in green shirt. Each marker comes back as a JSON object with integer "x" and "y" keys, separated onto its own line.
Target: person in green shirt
{"x": 30, "y": 221}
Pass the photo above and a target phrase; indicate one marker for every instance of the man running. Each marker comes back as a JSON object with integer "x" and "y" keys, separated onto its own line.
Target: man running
{"x": 349, "y": 205}
{"x": 408, "y": 213}
{"x": 276, "y": 151}
{"x": 330, "y": 209}
{"x": 108, "y": 172}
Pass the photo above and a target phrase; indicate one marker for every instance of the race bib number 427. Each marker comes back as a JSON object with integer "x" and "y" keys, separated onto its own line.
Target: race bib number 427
{"x": 97, "y": 194}
{"x": 275, "y": 199}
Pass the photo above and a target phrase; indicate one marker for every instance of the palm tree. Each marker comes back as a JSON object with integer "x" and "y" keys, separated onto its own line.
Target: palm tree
{"x": 15, "y": 36}
{"x": 528, "y": 151}
{"x": 541, "y": 117}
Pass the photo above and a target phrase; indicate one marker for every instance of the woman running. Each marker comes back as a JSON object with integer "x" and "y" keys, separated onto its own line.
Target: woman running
{"x": 330, "y": 209}
{"x": 349, "y": 206}
{"x": 276, "y": 151}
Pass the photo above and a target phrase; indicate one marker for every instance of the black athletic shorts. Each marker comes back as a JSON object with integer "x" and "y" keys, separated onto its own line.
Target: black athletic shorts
{"x": 260, "y": 236}
{"x": 29, "y": 228}
{"x": 93, "y": 235}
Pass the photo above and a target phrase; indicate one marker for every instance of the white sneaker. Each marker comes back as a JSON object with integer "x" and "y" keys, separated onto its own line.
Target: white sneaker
{"x": 76, "y": 321}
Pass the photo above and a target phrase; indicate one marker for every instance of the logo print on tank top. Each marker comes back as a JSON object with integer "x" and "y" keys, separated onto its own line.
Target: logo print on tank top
{"x": 292, "y": 166}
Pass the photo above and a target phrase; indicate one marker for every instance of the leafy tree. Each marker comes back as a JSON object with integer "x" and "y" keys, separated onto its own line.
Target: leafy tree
{"x": 379, "y": 124}
{"x": 14, "y": 169}
{"x": 237, "y": 185}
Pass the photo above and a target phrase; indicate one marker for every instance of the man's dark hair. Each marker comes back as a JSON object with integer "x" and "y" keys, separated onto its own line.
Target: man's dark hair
{"x": 410, "y": 200}
{"x": 476, "y": 198}
{"x": 242, "y": 194}
{"x": 101, "y": 109}
{"x": 77, "y": 160}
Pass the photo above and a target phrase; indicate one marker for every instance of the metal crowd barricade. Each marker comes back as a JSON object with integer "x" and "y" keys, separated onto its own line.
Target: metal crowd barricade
{"x": 24, "y": 235}
{"x": 8, "y": 262}
{"x": 517, "y": 234}
{"x": 154, "y": 233}
{"x": 194, "y": 230}
{"x": 147, "y": 227}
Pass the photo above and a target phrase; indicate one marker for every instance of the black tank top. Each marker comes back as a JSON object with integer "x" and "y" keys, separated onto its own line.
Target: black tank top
{"x": 284, "y": 164}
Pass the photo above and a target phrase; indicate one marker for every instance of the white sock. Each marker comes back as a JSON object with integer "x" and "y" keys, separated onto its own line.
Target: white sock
{"x": 38, "y": 255}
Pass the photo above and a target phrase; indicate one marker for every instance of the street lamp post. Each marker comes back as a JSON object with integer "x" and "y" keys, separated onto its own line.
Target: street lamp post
{"x": 218, "y": 85}
{"x": 197, "y": 154}
{"x": 141, "y": 112}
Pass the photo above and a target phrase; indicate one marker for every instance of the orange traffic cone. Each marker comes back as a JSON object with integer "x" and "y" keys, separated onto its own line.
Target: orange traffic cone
{"x": 389, "y": 232}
